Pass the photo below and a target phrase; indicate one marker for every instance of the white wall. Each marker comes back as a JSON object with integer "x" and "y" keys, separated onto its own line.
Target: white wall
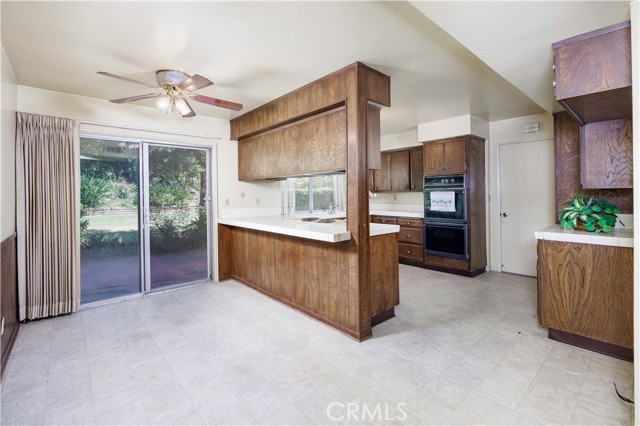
{"x": 8, "y": 149}
{"x": 127, "y": 118}
{"x": 507, "y": 131}
{"x": 454, "y": 126}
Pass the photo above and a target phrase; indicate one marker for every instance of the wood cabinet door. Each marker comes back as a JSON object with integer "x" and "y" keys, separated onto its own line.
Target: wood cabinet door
{"x": 606, "y": 154}
{"x": 416, "y": 171}
{"x": 260, "y": 157}
{"x": 399, "y": 171}
{"x": 433, "y": 158}
{"x": 587, "y": 290}
{"x": 382, "y": 177}
{"x": 318, "y": 145}
{"x": 455, "y": 159}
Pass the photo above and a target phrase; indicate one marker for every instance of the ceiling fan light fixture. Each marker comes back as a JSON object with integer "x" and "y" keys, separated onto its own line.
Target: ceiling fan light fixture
{"x": 181, "y": 105}
{"x": 163, "y": 103}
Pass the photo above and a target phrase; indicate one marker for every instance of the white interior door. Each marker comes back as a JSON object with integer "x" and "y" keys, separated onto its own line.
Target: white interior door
{"x": 527, "y": 201}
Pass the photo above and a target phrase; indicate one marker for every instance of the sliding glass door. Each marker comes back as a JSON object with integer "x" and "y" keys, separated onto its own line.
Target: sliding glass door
{"x": 144, "y": 217}
{"x": 178, "y": 225}
{"x": 109, "y": 219}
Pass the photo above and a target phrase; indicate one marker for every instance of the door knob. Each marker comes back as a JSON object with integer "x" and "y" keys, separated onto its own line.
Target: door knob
{"x": 504, "y": 215}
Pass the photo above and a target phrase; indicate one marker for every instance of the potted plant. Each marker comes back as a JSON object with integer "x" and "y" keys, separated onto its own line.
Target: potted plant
{"x": 593, "y": 214}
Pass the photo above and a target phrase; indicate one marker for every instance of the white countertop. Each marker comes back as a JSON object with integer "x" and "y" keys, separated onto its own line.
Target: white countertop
{"x": 396, "y": 213}
{"x": 619, "y": 237}
{"x": 328, "y": 232}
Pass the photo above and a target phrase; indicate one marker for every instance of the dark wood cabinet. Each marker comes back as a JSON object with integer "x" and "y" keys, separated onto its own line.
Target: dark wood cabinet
{"x": 313, "y": 146}
{"x": 310, "y": 275}
{"x": 568, "y": 168}
{"x": 410, "y": 247}
{"x": 400, "y": 171}
{"x": 416, "y": 172}
{"x": 382, "y": 176}
{"x": 316, "y": 146}
{"x": 260, "y": 157}
{"x": 592, "y": 74}
{"x": 586, "y": 290}
{"x": 445, "y": 157}
{"x": 462, "y": 154}
{"x": 606, "y": 154}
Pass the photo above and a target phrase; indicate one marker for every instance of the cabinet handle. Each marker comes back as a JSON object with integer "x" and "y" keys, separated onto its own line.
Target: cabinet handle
{"x": 408, "y": 251}
{"x": 408, "y": 235}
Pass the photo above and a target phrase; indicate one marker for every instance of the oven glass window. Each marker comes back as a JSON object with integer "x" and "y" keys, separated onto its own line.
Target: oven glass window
{"x": 458, "y": 207}
{"x": 446, "y": 240}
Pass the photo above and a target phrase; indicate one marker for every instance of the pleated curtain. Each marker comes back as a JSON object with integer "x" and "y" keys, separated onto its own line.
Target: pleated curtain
{"x": 48, "y": 215}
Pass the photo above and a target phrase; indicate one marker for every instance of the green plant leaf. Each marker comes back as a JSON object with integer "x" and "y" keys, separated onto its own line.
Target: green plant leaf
{"x": 596, "y": 209}
{"x": 603, "y": 222}
{"x": 606, "y": 228}
{"x": 590, "y": 226}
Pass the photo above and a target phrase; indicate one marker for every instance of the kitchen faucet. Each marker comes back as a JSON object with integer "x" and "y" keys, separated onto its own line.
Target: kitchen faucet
{"x": 333, "y": 207}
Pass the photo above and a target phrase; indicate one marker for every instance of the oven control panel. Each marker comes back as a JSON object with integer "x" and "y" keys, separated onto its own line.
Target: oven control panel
{"x": 444, "y": 181}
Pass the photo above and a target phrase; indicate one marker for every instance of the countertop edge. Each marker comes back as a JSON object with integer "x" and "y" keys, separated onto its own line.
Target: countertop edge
{"x": 277, "y": 225}
{"x": 619, "y": 237}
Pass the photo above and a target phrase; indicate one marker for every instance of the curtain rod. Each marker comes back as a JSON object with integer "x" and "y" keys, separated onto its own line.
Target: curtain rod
{"x": 148, "y": 130}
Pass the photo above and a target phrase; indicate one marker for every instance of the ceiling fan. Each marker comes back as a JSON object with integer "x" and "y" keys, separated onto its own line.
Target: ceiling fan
{"x": 176, "y": 87}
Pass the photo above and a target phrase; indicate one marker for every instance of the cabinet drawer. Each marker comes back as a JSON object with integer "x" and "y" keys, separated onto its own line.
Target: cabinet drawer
{"x": 410, "y": 251}
{"x": 412, "y": 223}
{"x": 410, "y": 235}
{"x": 391, "y": 220}
{"x": 447, "y": 262}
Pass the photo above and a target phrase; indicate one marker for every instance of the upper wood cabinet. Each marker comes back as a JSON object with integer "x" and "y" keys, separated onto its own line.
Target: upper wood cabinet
{"x": 260, "y": 157}
{"x": 593, "y": 74}
{"x": 416, "y": 158}
{"x": 382, "y": 176}
{"x": 445, "y": 157}
{"x": 312, "y": 146}
{"x": 606, "y": 155}
{"x": 400, "y": 171}
{"x": 316, "y": 146}
{"x": 593, "y": 84}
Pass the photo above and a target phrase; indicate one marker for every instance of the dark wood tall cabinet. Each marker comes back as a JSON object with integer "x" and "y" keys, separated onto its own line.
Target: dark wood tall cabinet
{"x": 462, "y": 154}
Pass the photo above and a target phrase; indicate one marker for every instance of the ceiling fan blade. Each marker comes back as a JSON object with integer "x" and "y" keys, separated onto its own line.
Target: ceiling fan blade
{"x": 217, "y": 102}
{"x": 194, "y": 83}
{"x": 108, "y": 74}
{"x": 135, "y": 98}
{"x": 189, "y": 113}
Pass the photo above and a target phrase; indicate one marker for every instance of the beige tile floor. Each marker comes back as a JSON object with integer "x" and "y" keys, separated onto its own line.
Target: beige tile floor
{"x": 460, "y": 351}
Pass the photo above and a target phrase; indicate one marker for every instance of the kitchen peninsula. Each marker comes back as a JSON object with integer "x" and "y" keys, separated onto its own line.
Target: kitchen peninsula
{"x": 345, "y": 275}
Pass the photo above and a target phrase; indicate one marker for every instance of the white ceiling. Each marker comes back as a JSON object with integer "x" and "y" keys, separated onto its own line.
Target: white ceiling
{"x": 498, "y": 66}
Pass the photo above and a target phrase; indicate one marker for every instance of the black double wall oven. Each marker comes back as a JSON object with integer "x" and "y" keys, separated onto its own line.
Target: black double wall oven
{"x": 445, "y": 216}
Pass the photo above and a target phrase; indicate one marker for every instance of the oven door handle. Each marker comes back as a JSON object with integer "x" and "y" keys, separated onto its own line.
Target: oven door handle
{"x": 452, "y": 225}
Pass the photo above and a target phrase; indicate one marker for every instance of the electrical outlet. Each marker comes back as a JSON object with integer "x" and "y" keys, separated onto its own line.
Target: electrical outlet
{"x": 257, "y": 201}
{"x": 226, "y": 201}
{"x": 395, "y": 197}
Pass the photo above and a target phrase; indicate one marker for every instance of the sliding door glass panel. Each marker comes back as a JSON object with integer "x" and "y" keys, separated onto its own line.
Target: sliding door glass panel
{"x": 109, "y": 219}
{"x": 178, "y": 216}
